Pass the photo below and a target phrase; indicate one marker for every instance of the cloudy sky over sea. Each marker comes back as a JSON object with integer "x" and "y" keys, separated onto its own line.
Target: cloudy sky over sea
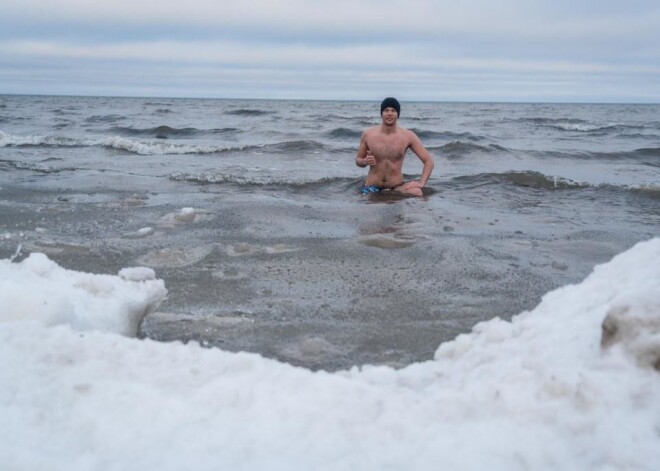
{"x": 505, "y": 50}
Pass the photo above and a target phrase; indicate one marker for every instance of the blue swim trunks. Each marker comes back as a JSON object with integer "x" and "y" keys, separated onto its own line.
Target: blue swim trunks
{"x": 367, "y": 189}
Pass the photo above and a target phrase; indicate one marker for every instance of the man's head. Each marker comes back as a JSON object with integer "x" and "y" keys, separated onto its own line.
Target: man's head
{"x": 390, "y": 102}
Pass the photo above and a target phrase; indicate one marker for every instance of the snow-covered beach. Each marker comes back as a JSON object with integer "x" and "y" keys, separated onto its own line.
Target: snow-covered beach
{"x": 544, "y": 391}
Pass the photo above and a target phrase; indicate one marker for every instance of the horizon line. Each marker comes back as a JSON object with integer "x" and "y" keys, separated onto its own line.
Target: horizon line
{"x": 555, "y": 102}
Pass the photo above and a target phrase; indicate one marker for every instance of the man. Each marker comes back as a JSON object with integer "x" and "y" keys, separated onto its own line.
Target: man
{"x": 383, "y": 148}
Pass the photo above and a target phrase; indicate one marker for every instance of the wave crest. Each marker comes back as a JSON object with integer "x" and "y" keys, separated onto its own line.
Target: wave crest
{"x": 344, "y": 133}
{"x": 12, "y": 140}
{"x": 167, "y": 132}
{"x": 160, "y": 148}
{"x": 457, "y": 149}
{"x": 253, "y": 179}
{"x": 247, "y": 112}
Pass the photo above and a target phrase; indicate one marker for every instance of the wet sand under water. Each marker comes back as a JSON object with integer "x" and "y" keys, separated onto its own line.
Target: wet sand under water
{"x": 316, "y": 283}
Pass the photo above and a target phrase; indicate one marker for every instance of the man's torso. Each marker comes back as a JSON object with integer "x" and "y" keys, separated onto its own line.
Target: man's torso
{"x": 389, "y": 150}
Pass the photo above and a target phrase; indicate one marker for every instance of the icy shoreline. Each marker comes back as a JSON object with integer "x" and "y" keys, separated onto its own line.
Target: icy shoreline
{"x": 538, "y": 392}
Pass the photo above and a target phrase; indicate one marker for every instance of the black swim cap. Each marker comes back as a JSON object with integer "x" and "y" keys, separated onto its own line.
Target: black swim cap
{"x": 390, "y": 102}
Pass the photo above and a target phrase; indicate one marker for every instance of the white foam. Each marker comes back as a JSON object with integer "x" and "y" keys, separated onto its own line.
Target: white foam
{"x": 159, "y": 148}
{"x": 538, "y": 392}
{"x": 114, "y": 142}
{"x": 7, "y": 140}
{"x": 582, "y": 127}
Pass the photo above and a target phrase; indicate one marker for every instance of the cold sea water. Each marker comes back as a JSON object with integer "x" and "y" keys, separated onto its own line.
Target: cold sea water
{"x": 250, "y": 212}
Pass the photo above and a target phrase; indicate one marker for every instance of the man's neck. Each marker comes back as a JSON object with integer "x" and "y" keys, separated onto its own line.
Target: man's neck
{"x": 388, "y": 128}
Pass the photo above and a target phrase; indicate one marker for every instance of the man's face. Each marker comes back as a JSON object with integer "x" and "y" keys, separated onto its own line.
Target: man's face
{"x": 389, "y": 115}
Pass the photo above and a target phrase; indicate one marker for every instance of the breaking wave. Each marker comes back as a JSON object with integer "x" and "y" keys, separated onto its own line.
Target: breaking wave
{"x": 344, "y": 133}
{"x": 206, "y": 178}
{"x": 540, "y": 181}
{"x": 576, "y": 125}
{"x": 35, "y": 167}
{"x": 446, "y": 135}
{"x": 167, "y": 132}
{"x": 160, "y": 148}
{"x": 457, "y": 149}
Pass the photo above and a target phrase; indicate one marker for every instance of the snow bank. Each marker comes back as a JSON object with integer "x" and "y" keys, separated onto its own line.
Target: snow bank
{"x": 38, "y": 289}
{"x": 540, "y": 392}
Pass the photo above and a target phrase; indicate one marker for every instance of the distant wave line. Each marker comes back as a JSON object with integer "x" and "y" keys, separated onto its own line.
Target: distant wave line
{"x": 158, "y": 148}
{"x": 540, "y": 181}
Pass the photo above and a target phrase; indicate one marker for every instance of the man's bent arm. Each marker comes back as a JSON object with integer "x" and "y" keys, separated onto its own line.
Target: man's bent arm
{"x": 361, "y": 157}
{"x": 421, "y": 152}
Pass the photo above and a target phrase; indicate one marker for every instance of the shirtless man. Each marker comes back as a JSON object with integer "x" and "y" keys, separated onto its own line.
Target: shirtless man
{"x": 383, "y": 148}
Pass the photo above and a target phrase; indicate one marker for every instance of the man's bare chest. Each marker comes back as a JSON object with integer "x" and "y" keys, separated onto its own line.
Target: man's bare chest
{"x": 387, "y": 148}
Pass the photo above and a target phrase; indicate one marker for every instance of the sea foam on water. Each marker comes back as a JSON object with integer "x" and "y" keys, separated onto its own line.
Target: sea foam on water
{"x": 547, "y": 390}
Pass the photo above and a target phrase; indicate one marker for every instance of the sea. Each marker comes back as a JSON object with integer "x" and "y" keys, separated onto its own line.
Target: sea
{"x": 250, "y": 211}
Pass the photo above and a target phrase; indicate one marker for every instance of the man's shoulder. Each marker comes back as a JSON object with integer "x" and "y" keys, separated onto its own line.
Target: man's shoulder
{"x": 407, "y": 133}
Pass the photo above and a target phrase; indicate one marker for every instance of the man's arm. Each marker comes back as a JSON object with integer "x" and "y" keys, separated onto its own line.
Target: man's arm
{"x": 423, "y": 155}
{"x": 364, "y": 157}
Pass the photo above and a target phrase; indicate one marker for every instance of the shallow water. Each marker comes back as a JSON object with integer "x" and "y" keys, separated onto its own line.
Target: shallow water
{"x": 281, "y": 255}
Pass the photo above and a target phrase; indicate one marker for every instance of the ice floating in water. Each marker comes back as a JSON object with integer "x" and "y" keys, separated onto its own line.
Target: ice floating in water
{"x": 242, "y": 249}
{"x": 184, "y": 216}
{"x": 544, "y": 391}
{"x": 174, "y": 257}
{"x": 387, "y": 242}
{"x": 140, "y": 233}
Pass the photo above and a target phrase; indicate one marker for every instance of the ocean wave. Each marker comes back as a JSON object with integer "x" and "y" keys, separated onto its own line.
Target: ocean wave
{"x": 457, "y": 149}
{"x": 160, "y": 148}
{"x": 643, "y": 155}
{"x": 166, "y": 132}
{"x": 12, "y": 140}
{"x": 575, "y": 124}
{"x": 529, "y": 179}
{"x": 252, "y": 179}
{"x": 447, "y": 135}
{"x": 294, "y": 147}
{"x": 532, "y": 180}
{"x": 582, "y": 127}
{"x": 159, "y": 132}
{"x": 65, "y": 111}
{"x": 106, "y": 118}
{"x": 652, "y": 191}
{"x": 247, "y": 112}
{"x": 639, "y": 135}
{"x": 652, "y": 151}
{"x": 37, "y": 167}
{"x": 60, "y": 126}
{"x": 540, "y": 181}
{"x": 116, "y": 142}
{"x": 344, "y": 133}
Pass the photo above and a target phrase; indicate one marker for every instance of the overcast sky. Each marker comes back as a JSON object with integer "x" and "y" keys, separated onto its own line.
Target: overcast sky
{"x": 470, "y": 50}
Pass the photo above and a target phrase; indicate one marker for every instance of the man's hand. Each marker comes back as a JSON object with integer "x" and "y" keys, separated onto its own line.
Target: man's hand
{"x": 370, "y": 159}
